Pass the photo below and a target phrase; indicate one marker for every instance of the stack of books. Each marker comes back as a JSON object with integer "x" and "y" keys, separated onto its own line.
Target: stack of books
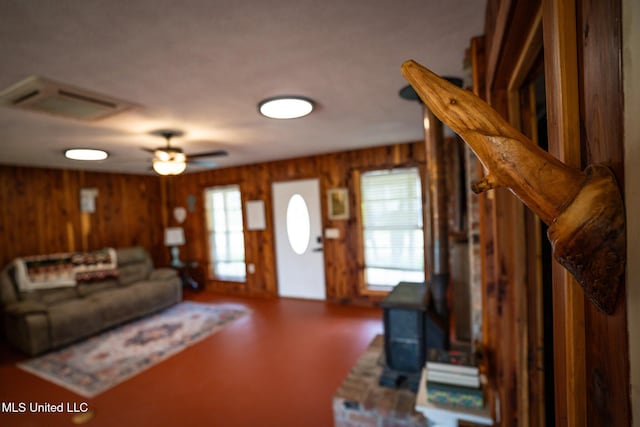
{"x": 453, "y": 378}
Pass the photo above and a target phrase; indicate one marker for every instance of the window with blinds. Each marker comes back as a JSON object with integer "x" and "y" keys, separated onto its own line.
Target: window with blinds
{"x": 226, "y": 235}
{"x": 391, "y": 204}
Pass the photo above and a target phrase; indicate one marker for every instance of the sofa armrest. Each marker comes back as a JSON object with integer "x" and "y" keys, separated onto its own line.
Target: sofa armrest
{"x": 163, "y": 274}
{"x": 25, "y": 307}
{"x": 26, "y": 326}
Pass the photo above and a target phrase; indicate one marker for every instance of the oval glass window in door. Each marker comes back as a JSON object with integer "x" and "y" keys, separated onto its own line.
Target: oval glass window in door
{"x": 298, "y": 224}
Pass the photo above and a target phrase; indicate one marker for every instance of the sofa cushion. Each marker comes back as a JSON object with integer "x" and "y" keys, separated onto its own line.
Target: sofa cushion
{"x": 86, "y": 289}
{"x": 163, "y": 274}
{"x": 21, "y": 308}
{"x": 134, "y": 265}
{"x": 50, "y": 296}
{"x": 156, "y": 294}
{"x": 132, "y": 273}
{"x": 72, "y": 320}
{"x": 117, "y": 305}
{"x": 132, "y": 255}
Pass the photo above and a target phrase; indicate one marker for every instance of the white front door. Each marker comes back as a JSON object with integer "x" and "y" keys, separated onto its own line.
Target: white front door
{"x": 298, "y": 235}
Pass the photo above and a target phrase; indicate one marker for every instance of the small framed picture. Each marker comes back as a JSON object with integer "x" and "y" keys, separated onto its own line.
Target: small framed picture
{"x": 338, "y": 202}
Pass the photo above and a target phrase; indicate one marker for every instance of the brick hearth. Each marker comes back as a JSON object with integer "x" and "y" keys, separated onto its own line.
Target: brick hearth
{"x": 361, "y": 402}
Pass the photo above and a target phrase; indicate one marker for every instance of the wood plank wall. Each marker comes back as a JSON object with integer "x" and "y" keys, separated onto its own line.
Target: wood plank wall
{"x": 333, "y": 170}
{"x": 599, "y": 29}
{"x": 40, "y": 212}
{"x": 582, "y": 53}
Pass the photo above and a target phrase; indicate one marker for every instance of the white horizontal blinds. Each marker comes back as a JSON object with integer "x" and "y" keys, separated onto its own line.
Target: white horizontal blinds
{"x": 392, "y": 226}
{"x": 226, "y": 236}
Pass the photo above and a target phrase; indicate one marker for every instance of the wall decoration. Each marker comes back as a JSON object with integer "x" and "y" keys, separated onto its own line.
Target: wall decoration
{"x": 255, "y": 215}
{"x": 191, "y": 203}
{"x": 88, "y": 199}
{"x": 180, "y": 214}
{"x": 338, "y": 203}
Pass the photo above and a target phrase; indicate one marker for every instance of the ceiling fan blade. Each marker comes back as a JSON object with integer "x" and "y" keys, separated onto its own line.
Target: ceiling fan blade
{"x": 202, "y": 163}
{"x": 217, "y": 153}
{"x": 149, "y": 150}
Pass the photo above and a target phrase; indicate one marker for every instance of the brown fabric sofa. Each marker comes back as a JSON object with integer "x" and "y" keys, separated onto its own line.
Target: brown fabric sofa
{"x": 40, "y": 320}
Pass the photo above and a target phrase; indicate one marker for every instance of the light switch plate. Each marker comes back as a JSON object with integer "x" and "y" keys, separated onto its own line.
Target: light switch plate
{"x": 331, "y": 233}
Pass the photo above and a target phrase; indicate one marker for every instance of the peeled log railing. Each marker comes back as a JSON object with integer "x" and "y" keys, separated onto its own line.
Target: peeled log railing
{"x": 584, "y": 210}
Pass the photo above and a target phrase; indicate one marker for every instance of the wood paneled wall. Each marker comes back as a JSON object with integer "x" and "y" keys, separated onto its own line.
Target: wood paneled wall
{"x": 599, "y": 29}
{"x": 582, "y": 61}
{"x": 40, "y": 212}
{"x": 333, "y": 170}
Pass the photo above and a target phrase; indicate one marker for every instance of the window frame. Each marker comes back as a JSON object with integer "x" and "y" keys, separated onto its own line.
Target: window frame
{"x": 364, "y": 288}
{"x": 212, "y": 274}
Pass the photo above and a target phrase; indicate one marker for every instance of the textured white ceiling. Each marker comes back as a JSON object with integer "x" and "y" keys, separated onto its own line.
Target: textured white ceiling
{"x": 203, "y": 66}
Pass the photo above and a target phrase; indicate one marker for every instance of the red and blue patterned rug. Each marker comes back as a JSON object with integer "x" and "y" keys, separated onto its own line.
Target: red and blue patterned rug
{"x": 99, "y": 363}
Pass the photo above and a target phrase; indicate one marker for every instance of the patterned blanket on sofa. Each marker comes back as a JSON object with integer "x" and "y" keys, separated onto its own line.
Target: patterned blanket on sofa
{"x": 64, "y": 269}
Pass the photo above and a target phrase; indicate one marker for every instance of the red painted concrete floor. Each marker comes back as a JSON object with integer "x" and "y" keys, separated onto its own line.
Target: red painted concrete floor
{"x": 278, "y": 367}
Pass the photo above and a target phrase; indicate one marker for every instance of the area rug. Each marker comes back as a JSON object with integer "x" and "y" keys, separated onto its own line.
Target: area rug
{"x": 99, "y": 363}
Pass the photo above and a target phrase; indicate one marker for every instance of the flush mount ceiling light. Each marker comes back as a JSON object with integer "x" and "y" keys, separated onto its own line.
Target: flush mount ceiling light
{"x": 286, "y": 107}
{"x": 85, "y": 154}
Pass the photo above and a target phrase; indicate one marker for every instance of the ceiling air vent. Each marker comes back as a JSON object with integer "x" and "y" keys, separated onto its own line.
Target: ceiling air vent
{"x": 46, "y": 96}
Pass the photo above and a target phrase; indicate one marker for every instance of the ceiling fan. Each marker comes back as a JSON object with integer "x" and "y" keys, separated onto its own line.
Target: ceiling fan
{"x": 170, "y": 160}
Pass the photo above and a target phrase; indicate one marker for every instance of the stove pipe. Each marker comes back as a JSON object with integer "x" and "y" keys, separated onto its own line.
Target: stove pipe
{"x": 438, "y": 239}
{"x": 437, "y": 221}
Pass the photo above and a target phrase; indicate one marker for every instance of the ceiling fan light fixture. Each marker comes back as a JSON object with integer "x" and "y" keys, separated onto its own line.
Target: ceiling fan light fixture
{"x": 286, "y": 107}
{"x": 169, "y": 161}
{"x": 162, "y": 156}
{"x": 89, "y": 154}
{"x": 169, "y": 167}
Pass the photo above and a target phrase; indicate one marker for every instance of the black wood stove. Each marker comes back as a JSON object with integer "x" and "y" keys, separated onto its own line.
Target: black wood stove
{"x": 411, "y": 326}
